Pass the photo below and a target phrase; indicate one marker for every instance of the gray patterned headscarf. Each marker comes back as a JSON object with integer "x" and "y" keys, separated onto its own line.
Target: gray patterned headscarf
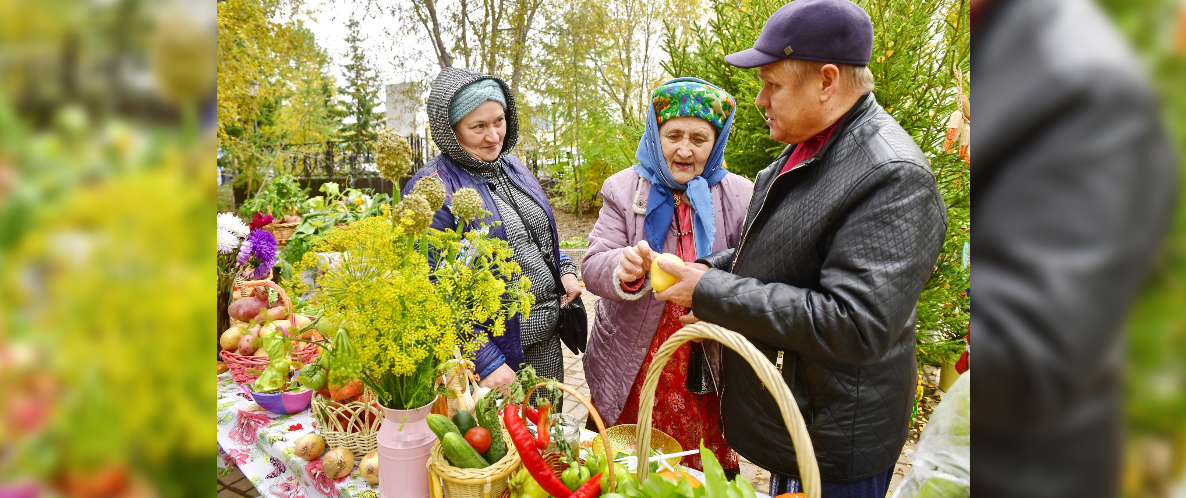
{"x": 444, "y": 89}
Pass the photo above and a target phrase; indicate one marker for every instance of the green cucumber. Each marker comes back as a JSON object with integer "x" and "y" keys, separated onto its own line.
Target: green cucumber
{"x": 459, "y": 453}
{"x": 488, "y": 417}
{"x": 441, "y": 425}
{"x": 464, "y": 420}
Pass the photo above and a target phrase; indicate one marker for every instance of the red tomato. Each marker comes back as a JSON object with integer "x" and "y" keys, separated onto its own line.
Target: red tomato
{"x": 479, "y": 438}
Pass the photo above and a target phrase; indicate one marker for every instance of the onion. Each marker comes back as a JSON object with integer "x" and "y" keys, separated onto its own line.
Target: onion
{"x": 338, "y": 463}
{"x": 369, "y": 467}
{"x": 230, "y": 337}
{"x": 310, "y": 446}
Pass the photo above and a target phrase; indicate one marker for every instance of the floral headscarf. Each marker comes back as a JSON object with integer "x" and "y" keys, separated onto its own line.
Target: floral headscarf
{"x": 695, "y": 99}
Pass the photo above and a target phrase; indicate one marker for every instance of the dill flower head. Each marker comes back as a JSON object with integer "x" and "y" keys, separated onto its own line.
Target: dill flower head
{"x": 227, "y": 242}
{"x": 433, "y": 191}
{"x": 414, "y": 206}
{"x": 393, "y": 155}
{"x": 232, "y": 224}
{"x": 467, "y": 204}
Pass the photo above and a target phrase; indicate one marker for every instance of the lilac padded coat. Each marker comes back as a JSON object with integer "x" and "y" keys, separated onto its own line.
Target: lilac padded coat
{"x": 625, "y": 323}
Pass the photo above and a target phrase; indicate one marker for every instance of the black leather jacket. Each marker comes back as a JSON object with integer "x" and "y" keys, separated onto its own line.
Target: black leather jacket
{"x": 828, "y": 272}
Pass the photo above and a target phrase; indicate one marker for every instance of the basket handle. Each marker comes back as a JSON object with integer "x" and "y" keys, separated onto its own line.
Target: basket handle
{"x": 279, "y": 292}
{"x": 804, "y": 451}
{"x": 592, "y": 413}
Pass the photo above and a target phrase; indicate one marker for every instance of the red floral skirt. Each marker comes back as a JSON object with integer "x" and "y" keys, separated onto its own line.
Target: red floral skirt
{"x": 689, "y": 418}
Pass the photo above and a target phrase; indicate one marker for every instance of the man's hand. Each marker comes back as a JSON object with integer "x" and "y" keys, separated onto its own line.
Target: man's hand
{"x": 502, "y": 375}
{"x": 688, "y": 276}
{"x": 572, "y": 288}
{"x": 635, "y": 262}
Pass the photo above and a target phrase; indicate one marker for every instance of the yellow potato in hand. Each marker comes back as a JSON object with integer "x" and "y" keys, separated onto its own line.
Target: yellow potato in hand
{"x": 661, "y": 280}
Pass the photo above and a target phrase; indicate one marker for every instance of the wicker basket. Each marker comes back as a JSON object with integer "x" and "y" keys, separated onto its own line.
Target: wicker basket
{"x": 239, "y": 364}
{"x": 553, "y": 460}
{"x": 770, "y": 377}
{"x": 455, "y": 482}
{"x": 353, "y": 425}
{"x": 282, "y": 231}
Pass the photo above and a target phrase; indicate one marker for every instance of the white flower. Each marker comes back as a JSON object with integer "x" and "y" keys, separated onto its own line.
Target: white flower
{"x": 232, "y": 224}
{"x": 227, "y": 242}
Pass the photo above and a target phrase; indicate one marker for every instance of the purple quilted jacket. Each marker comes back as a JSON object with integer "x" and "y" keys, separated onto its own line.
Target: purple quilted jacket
{"x": 625, "y": 323}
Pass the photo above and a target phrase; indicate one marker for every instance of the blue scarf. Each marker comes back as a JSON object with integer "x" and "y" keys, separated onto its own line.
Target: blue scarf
{"x": 661, "y": 202}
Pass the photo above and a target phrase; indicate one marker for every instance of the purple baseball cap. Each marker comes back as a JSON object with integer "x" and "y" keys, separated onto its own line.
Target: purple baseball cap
{"x": 835, "y": 31}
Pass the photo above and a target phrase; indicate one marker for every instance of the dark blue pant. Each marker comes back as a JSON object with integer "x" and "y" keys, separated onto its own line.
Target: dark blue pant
{"x": 872, "y": 487}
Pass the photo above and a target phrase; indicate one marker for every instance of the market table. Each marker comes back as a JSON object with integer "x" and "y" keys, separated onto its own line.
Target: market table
{"x": 261, "y": 444}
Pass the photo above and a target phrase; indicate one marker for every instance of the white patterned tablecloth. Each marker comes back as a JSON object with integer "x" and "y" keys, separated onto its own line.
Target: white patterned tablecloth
{"x": 261, "y": 444}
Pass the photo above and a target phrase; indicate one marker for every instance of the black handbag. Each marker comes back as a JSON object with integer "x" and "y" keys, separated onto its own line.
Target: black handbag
{"x": 573, "y": 323}
{"x": 700, "y": 378}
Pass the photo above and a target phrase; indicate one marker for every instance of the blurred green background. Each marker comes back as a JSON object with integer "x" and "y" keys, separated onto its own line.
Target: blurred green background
{"x": 1155, "y": 403}
{"x": 107, "y": 199}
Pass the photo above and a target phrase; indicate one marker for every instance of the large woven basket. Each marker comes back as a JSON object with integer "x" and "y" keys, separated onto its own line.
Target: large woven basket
{"x": 353, "y": 425}
{"x": 553, "y": 460}
{"x": 770, "y": 377}
{"x": 240, "y": 365}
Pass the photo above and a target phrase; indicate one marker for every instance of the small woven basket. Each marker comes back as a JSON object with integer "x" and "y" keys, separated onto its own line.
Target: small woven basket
{"x": 239, "y": 364}
{"x": 282, "y": 232}
{"x": 456, "y": 482}
{"x": 770, "y": 377}
{"x": 353, "y": 425}
{"x": 553, "y": 460}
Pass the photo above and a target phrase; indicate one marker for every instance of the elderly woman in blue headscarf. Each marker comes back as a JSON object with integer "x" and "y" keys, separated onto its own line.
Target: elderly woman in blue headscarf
{"x": 678, "y": 199}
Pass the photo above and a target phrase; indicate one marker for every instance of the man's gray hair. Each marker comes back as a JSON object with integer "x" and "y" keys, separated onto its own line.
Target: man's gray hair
{"x": 858, "y": 77}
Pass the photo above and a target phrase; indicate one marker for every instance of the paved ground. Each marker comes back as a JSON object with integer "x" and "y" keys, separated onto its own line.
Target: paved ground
{"x": 234, "y": 485}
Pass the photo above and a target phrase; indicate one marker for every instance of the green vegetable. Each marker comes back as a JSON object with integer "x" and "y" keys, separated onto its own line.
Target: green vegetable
{"x": 279, "y": 347}
{"x": 621, "y": 477}
{"x": 459, "y": 453}
{"x": 487, "y": 414}
{"x": 524, "y": 486}
{"x": 441, "y": 425}
{"x": 596, "y": 464}
{"x": 313, "y": 377}
{"x": 344, "y": 363}
{"x": 575, "y": 475}
{"x": 464, "y": 421}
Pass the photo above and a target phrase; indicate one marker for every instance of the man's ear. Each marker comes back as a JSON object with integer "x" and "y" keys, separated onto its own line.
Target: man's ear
{"x": 829, "y": 82}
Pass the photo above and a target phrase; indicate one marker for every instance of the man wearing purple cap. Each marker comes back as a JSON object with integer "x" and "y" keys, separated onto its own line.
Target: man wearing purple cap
{"x": 842, "y": 233}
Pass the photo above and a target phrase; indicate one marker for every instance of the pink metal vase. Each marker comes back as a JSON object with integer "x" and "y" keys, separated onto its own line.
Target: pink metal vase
{"x": 404, "y": 442}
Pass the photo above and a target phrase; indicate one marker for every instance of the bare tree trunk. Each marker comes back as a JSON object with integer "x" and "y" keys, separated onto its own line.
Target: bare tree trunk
{"x": 428, "y": 19}
{"x": 524, "y": 17}
{"x": 465, "y": 51}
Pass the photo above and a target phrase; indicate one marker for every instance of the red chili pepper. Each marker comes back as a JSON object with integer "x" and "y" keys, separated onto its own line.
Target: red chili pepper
{"x": 590, "y": 489}
{"x": 541, "y": 428}
{"x": 533, "y": 461}
{"x": 532, "y": 414}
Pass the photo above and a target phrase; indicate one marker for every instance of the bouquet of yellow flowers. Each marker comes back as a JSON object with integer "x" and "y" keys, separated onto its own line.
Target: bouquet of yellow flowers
{"x": 408, "y": 294}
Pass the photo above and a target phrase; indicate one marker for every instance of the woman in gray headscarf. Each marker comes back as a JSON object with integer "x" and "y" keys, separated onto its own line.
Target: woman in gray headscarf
{"x": 474, "y": 122}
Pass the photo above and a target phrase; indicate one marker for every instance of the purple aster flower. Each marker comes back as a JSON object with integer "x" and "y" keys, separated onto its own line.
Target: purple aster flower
{"x": 244, "y": 252}
{"x": 263, "y": 251}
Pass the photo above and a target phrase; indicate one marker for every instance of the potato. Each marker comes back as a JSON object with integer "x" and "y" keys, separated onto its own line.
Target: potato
{"x": 246, "y": 345}
{"x": 231, "y": 337}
